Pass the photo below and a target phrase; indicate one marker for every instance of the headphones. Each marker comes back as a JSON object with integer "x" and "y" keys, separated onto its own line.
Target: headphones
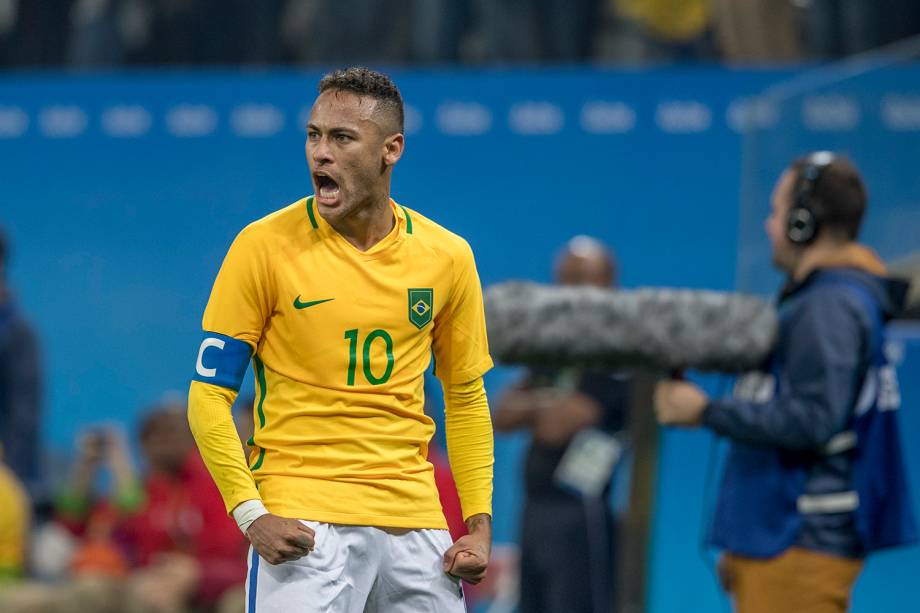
{"x": 804, "y": 218}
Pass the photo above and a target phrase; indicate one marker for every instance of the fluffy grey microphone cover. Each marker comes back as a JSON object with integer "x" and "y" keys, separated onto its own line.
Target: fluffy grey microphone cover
{"x": 662, "y": 329}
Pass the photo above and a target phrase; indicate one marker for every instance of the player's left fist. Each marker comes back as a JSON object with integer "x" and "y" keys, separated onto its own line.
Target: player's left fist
{"x": 468, "y": 557}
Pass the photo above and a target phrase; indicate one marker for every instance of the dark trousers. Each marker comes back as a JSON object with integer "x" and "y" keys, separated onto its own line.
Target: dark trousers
{"x": 567, "y": 557}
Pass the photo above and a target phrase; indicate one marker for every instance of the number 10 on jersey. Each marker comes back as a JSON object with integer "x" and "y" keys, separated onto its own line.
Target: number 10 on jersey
{"x": 352, "y": 337}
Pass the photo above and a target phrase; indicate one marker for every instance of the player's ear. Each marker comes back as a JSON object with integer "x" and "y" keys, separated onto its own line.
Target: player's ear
{"x": 393, "y": 147}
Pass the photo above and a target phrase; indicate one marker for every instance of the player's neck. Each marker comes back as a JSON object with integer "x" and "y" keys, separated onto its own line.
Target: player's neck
{"x": 368, "y": 225}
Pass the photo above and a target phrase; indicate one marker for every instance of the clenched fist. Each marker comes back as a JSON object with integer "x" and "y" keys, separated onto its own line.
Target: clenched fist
{"x": 280, "y": 539}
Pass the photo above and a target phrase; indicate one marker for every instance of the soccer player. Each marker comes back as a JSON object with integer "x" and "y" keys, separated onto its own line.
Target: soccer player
{"x": 340, "y": 300}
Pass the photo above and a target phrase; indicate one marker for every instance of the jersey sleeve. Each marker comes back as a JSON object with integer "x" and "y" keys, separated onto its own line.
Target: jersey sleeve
{"x": 470, "y": 445}
{"x": 211, "y": 422}
{"x": 242, "y": 297}
{"x": 241, "y": 302}
{"x": 461, "y": 347}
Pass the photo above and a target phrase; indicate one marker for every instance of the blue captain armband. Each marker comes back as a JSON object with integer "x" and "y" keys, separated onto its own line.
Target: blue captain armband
{"x": 222, "y": 360}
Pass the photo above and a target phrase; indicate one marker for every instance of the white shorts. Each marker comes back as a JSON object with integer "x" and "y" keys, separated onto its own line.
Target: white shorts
{"x": 358, "y": 569}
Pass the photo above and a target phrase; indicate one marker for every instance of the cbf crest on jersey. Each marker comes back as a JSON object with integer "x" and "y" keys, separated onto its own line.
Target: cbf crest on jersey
{"x": 421, "y": 305}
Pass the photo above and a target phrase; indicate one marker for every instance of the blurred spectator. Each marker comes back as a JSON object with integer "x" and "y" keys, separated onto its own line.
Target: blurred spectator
{"x": 841, "y": 27}
{"x": 91, "y": 519}
{"x": 14, "y": 526}
{"x": 769, "y": 31}
{"x": 438, "y": 30}
{"x": 238, "y": 31}
{"x": 170, "y": 533}
{"x": 92, "y": 33}
{"x": 538, "y": 30}
{"x": 658, "y": 30}
{"x": 20, "y": 387}
{"x": 9, "y": 10}
{"x": 348, "y": 31}
{"x": 836, "y": 28}
{"x": 183, "y": 537}
{"x": 567, "y": 541}
{"x": 95, "y": 39}
{"x": 759, "y": 30}
{"x": 672, "y": 20}
{"x": 38, "y": 32}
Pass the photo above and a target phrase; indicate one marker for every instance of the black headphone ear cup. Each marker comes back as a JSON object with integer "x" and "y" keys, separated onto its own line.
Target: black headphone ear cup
{"x": 803, "y": 220}
{"x": 801, "y": 225}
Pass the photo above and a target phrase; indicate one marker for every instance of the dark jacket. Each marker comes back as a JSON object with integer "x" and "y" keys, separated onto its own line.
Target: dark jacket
{"x": 20, "y": 396}
{"x": 808, "y": 393}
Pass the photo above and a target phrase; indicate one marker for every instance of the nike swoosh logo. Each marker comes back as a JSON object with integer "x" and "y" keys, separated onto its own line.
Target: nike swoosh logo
{"x": 302, "y": 305}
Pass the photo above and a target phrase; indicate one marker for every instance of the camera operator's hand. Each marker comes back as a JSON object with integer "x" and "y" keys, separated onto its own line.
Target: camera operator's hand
{"x": 679, "y": 403}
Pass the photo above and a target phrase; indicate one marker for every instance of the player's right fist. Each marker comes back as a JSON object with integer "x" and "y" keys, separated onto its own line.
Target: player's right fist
{"x": 280, "y": 539}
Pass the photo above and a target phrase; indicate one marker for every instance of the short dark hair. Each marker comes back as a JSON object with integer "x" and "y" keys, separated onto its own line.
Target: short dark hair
{"x": 838, "y": 197}
{"x": 367, "y": 82}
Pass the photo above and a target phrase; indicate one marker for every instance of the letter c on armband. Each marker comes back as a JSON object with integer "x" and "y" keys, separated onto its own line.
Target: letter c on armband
{"x": 222, "y": 360}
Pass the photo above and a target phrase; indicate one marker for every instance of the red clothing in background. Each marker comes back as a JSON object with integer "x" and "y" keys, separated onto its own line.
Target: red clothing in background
{"x": 185, "y": 514}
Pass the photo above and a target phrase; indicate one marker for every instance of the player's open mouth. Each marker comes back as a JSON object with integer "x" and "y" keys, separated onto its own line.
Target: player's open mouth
{"x": 327, "y": 190}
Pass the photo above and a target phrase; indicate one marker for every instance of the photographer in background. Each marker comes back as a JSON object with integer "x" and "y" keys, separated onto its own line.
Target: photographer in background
{"x": 815, "y": 480}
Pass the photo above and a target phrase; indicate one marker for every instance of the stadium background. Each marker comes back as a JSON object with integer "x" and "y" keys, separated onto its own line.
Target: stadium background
{"x": 122, "y": 190}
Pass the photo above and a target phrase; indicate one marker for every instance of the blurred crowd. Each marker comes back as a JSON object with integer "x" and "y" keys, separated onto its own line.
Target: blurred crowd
{"x": 107, "y": 33}
{"x": 93, "y": 532}
{"x": 113, "y": 538}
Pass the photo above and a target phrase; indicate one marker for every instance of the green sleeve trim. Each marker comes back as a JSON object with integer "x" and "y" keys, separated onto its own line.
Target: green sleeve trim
{"x": 260, "y": 375}
{"x": 259, "y": 460}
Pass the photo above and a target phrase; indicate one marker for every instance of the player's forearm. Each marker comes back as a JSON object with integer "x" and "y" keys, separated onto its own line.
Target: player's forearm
{"x": 212, "y": 426}
{"x": 470, "y": 445}
{"x": 480, "y": 523}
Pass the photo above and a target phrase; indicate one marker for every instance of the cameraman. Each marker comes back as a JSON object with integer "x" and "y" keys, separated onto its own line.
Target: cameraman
{"x": 814, "y": 480}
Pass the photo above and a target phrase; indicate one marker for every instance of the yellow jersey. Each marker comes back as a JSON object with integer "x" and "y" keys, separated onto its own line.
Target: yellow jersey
{"x": 14, "y": 524}
{"x": 340, "y": 341}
